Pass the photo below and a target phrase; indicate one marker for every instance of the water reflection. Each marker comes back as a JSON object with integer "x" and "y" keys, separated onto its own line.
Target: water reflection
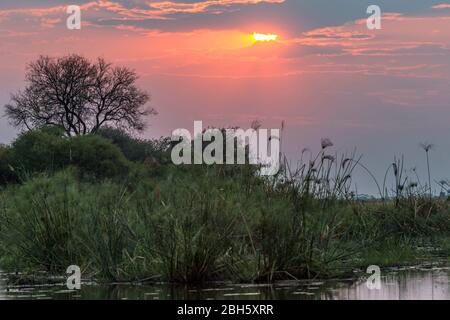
{"x": 411, "y": 283}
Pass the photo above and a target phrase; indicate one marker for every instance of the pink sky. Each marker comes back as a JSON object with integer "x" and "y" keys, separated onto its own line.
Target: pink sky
{"x": 381, "y": 91}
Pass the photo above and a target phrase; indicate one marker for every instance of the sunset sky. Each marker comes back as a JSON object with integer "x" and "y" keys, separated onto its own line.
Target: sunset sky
{"x": 327, "y": 75}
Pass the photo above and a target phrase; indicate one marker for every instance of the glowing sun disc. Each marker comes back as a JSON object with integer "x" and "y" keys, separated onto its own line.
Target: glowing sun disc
{"x": 265, "y": 37}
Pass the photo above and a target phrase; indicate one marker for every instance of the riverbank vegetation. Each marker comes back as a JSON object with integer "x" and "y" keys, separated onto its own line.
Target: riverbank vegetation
{"x": 116, "y": 206}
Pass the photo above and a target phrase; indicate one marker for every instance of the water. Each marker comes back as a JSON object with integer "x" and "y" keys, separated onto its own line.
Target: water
{"x": 401, "y": 284}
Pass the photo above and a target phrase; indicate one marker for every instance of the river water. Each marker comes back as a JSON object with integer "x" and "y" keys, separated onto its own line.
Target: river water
{"x": 400, "y": 284}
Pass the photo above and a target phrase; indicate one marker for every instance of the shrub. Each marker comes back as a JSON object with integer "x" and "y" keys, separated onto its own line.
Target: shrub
{"x": 47, "y": 150}
{"x": 39, "y": 151}
{"x": 96, "y": 157}
{"x": 7, "y": 171}
{"x": 138, "y": 150}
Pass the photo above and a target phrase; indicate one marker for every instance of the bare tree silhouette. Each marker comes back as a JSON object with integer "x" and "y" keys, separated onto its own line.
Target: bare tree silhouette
{"x": 79, "y": 95}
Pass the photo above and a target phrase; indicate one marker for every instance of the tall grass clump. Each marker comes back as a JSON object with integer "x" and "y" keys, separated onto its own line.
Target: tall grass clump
{"x": 39, "y": 223}
{"x": 188, "y": 228}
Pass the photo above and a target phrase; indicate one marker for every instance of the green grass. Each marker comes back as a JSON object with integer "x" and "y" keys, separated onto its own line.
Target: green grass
{"x": 203, "y": 224}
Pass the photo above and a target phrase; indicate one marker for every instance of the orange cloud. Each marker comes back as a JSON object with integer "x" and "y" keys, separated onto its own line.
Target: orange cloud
{"x": 36, "y": 12}
{"x": 442, "y": 6}
{"x": 93, "y": 7}
{"x": 156, "y": 10}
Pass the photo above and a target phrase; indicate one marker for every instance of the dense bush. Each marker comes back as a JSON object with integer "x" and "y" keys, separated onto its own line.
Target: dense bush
{"x": 40, "y": 151}
{"x": 96, "y": 157}
{"x": 138, "y": 150}
{"x": 47, "y": 150}
{"x": 7, "y": 172}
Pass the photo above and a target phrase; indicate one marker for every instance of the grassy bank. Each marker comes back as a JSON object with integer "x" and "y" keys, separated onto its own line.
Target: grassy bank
{"x": 200, "y": 226}
{"x": 153, "y": 221}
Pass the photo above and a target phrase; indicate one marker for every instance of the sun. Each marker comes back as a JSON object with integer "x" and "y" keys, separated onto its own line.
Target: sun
{"x": 265, "y": 37}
